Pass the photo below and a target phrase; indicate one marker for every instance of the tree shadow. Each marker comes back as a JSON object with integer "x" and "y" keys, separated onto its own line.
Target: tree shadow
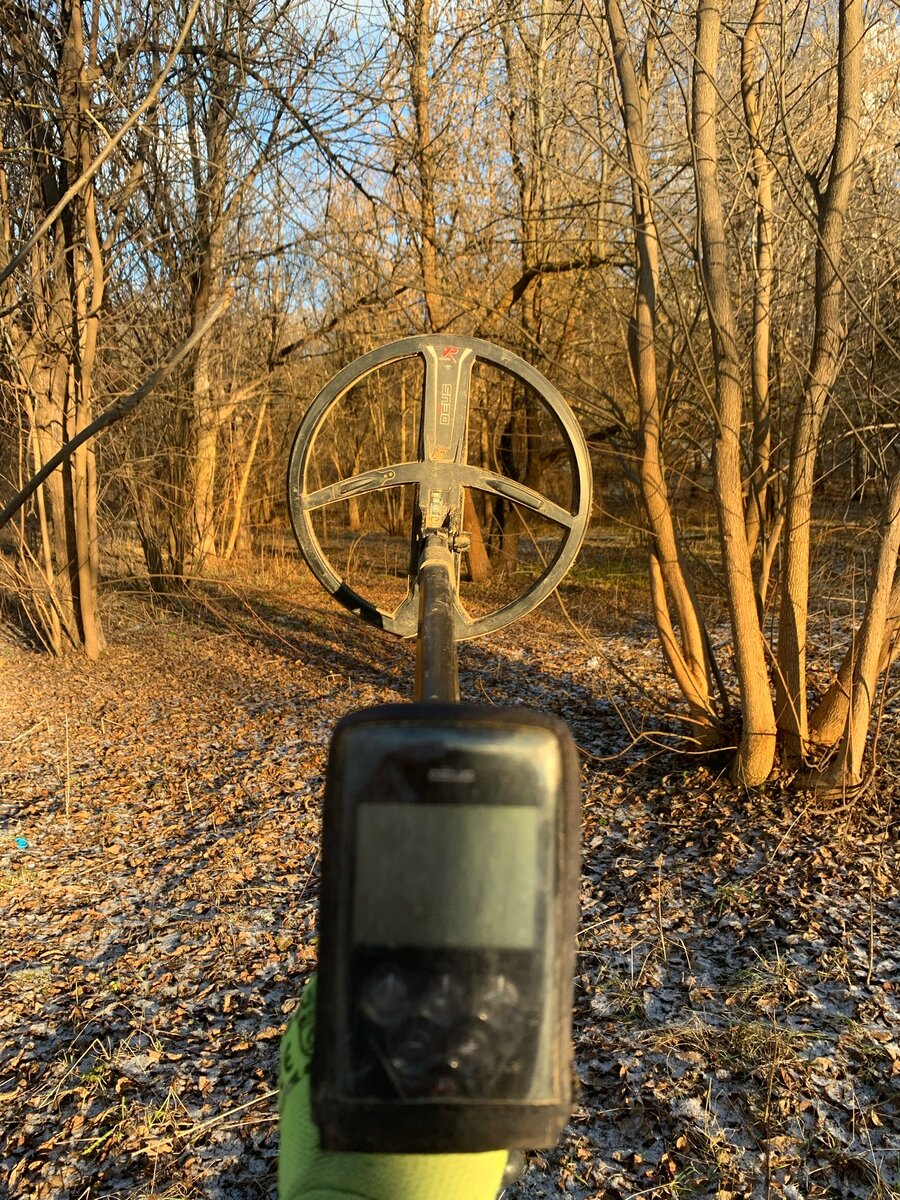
{"x": 496, "y": 670}
{"x": 287, "y": 628}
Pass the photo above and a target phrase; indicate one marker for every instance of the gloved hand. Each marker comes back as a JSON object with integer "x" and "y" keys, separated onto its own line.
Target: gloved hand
{"x": 306, "y": 1172}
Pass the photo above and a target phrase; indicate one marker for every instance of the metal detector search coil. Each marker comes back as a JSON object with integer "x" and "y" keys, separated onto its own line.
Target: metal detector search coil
{"x": 439, "y": 474}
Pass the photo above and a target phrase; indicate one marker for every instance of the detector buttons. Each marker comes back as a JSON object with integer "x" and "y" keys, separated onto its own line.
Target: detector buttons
{"x": 434, "y": 1036}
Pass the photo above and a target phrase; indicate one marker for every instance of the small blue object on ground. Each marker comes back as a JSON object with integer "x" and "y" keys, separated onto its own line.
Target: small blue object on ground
{"x": 22, "y": 843}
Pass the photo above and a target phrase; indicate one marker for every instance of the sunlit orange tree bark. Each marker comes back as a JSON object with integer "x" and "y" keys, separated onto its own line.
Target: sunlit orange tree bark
{"x": 756, "y": 751}
{"x": 832, "y": 201}
{"x": 53, "y": 304}
{"x": 736, "y": 366}
{"x": 678, "y": 619}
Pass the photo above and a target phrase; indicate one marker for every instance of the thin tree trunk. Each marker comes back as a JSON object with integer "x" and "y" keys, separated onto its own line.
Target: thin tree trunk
{"x": 830, "y": 716}
{"x": 756, "y": 752}
{"x": 419, "y": 16}
{"x": 207, "y": 416}
{"x": 751, "y": 92}
{"x": 828, "y": 338}
{"x": 421, "y": 35}
{"x": 88, "y": 285}
{"x": 55, "y": 629}
{"x": 846, "y": 767}
{"x": 48, "y": 386}
{"x": 244, "y": 480}
{"x": 479, "y": 563}
{"x": 688, "y": 662}
{"x": 530, "y": 134}
{"x": 205, "y": 454}
{"x": 210, "y": 175}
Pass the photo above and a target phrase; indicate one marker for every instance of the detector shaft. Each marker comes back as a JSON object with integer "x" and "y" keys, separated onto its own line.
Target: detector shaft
{"x": 437, "y": 671}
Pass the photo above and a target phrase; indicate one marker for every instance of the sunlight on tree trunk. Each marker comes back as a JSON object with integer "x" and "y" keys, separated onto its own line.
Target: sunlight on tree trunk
{"x": 845, "y": 769}
{"x": 752, "y": 62}
{"x": 241, "y": 492}
{"x": 828, "y": 341}
{"x": 827, "y": 721}
{"x": 477, "y": 556}
{"x": 688, "y": 661}
{"x": 53, "y": 350}
{"x": 756, "y": 752}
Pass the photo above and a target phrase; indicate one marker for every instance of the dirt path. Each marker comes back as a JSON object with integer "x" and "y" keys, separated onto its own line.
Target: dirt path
{"x": 739, "y": 962}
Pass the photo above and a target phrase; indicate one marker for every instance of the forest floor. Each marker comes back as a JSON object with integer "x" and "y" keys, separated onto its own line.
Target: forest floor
{"x": 738, "y": 983}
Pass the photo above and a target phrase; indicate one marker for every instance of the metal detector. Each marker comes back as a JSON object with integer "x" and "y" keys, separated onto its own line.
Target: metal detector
{"x": 450, "y": 854}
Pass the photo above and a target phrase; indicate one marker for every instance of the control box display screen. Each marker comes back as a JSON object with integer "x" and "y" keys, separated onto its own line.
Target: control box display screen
{"x": 464, "y": 876}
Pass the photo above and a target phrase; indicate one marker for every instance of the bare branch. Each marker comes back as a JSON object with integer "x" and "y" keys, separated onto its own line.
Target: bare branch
{"x": 88, "y": 174}
{"x": 116, "y": 411}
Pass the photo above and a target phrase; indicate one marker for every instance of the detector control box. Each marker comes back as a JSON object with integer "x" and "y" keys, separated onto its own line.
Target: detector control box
{"x": 448, "y": 914}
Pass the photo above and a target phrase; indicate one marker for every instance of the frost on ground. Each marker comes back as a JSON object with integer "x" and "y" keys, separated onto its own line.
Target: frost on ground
{"x": 737, "y": 1023}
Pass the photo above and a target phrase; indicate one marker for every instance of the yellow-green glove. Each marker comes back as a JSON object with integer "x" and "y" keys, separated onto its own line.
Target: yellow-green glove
{"x": 306, "y": 1172}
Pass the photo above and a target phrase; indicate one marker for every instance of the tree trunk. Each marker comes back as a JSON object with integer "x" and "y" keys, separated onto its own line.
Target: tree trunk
{"x": 687, "y": 657}
{"x": 756, "y": 751}
{"x": 54, "y": 346}
{"x": 846, "y": 767}
{"x": 830, "y": 716}
{"x": 207, "y": 413}
{"x": 421, "y": 36}
{"x": 88, "y": 287}
{"x": 828, "y": 338}
{"x": 751, "y": 92}
{"x": 241, "y": 491}
{"x": 479, "y": 563}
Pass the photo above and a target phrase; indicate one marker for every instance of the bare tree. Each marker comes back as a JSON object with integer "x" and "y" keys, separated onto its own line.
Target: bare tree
{"x": 53, "y": 306}
{"x": 752, "y": 90}
{"x": 832, "y": 203}
{"x": 415, "y": 29}
{"x": 232, "y": 122}
{"x": 756, "y": 752}
{"x": 686, "y": 652}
